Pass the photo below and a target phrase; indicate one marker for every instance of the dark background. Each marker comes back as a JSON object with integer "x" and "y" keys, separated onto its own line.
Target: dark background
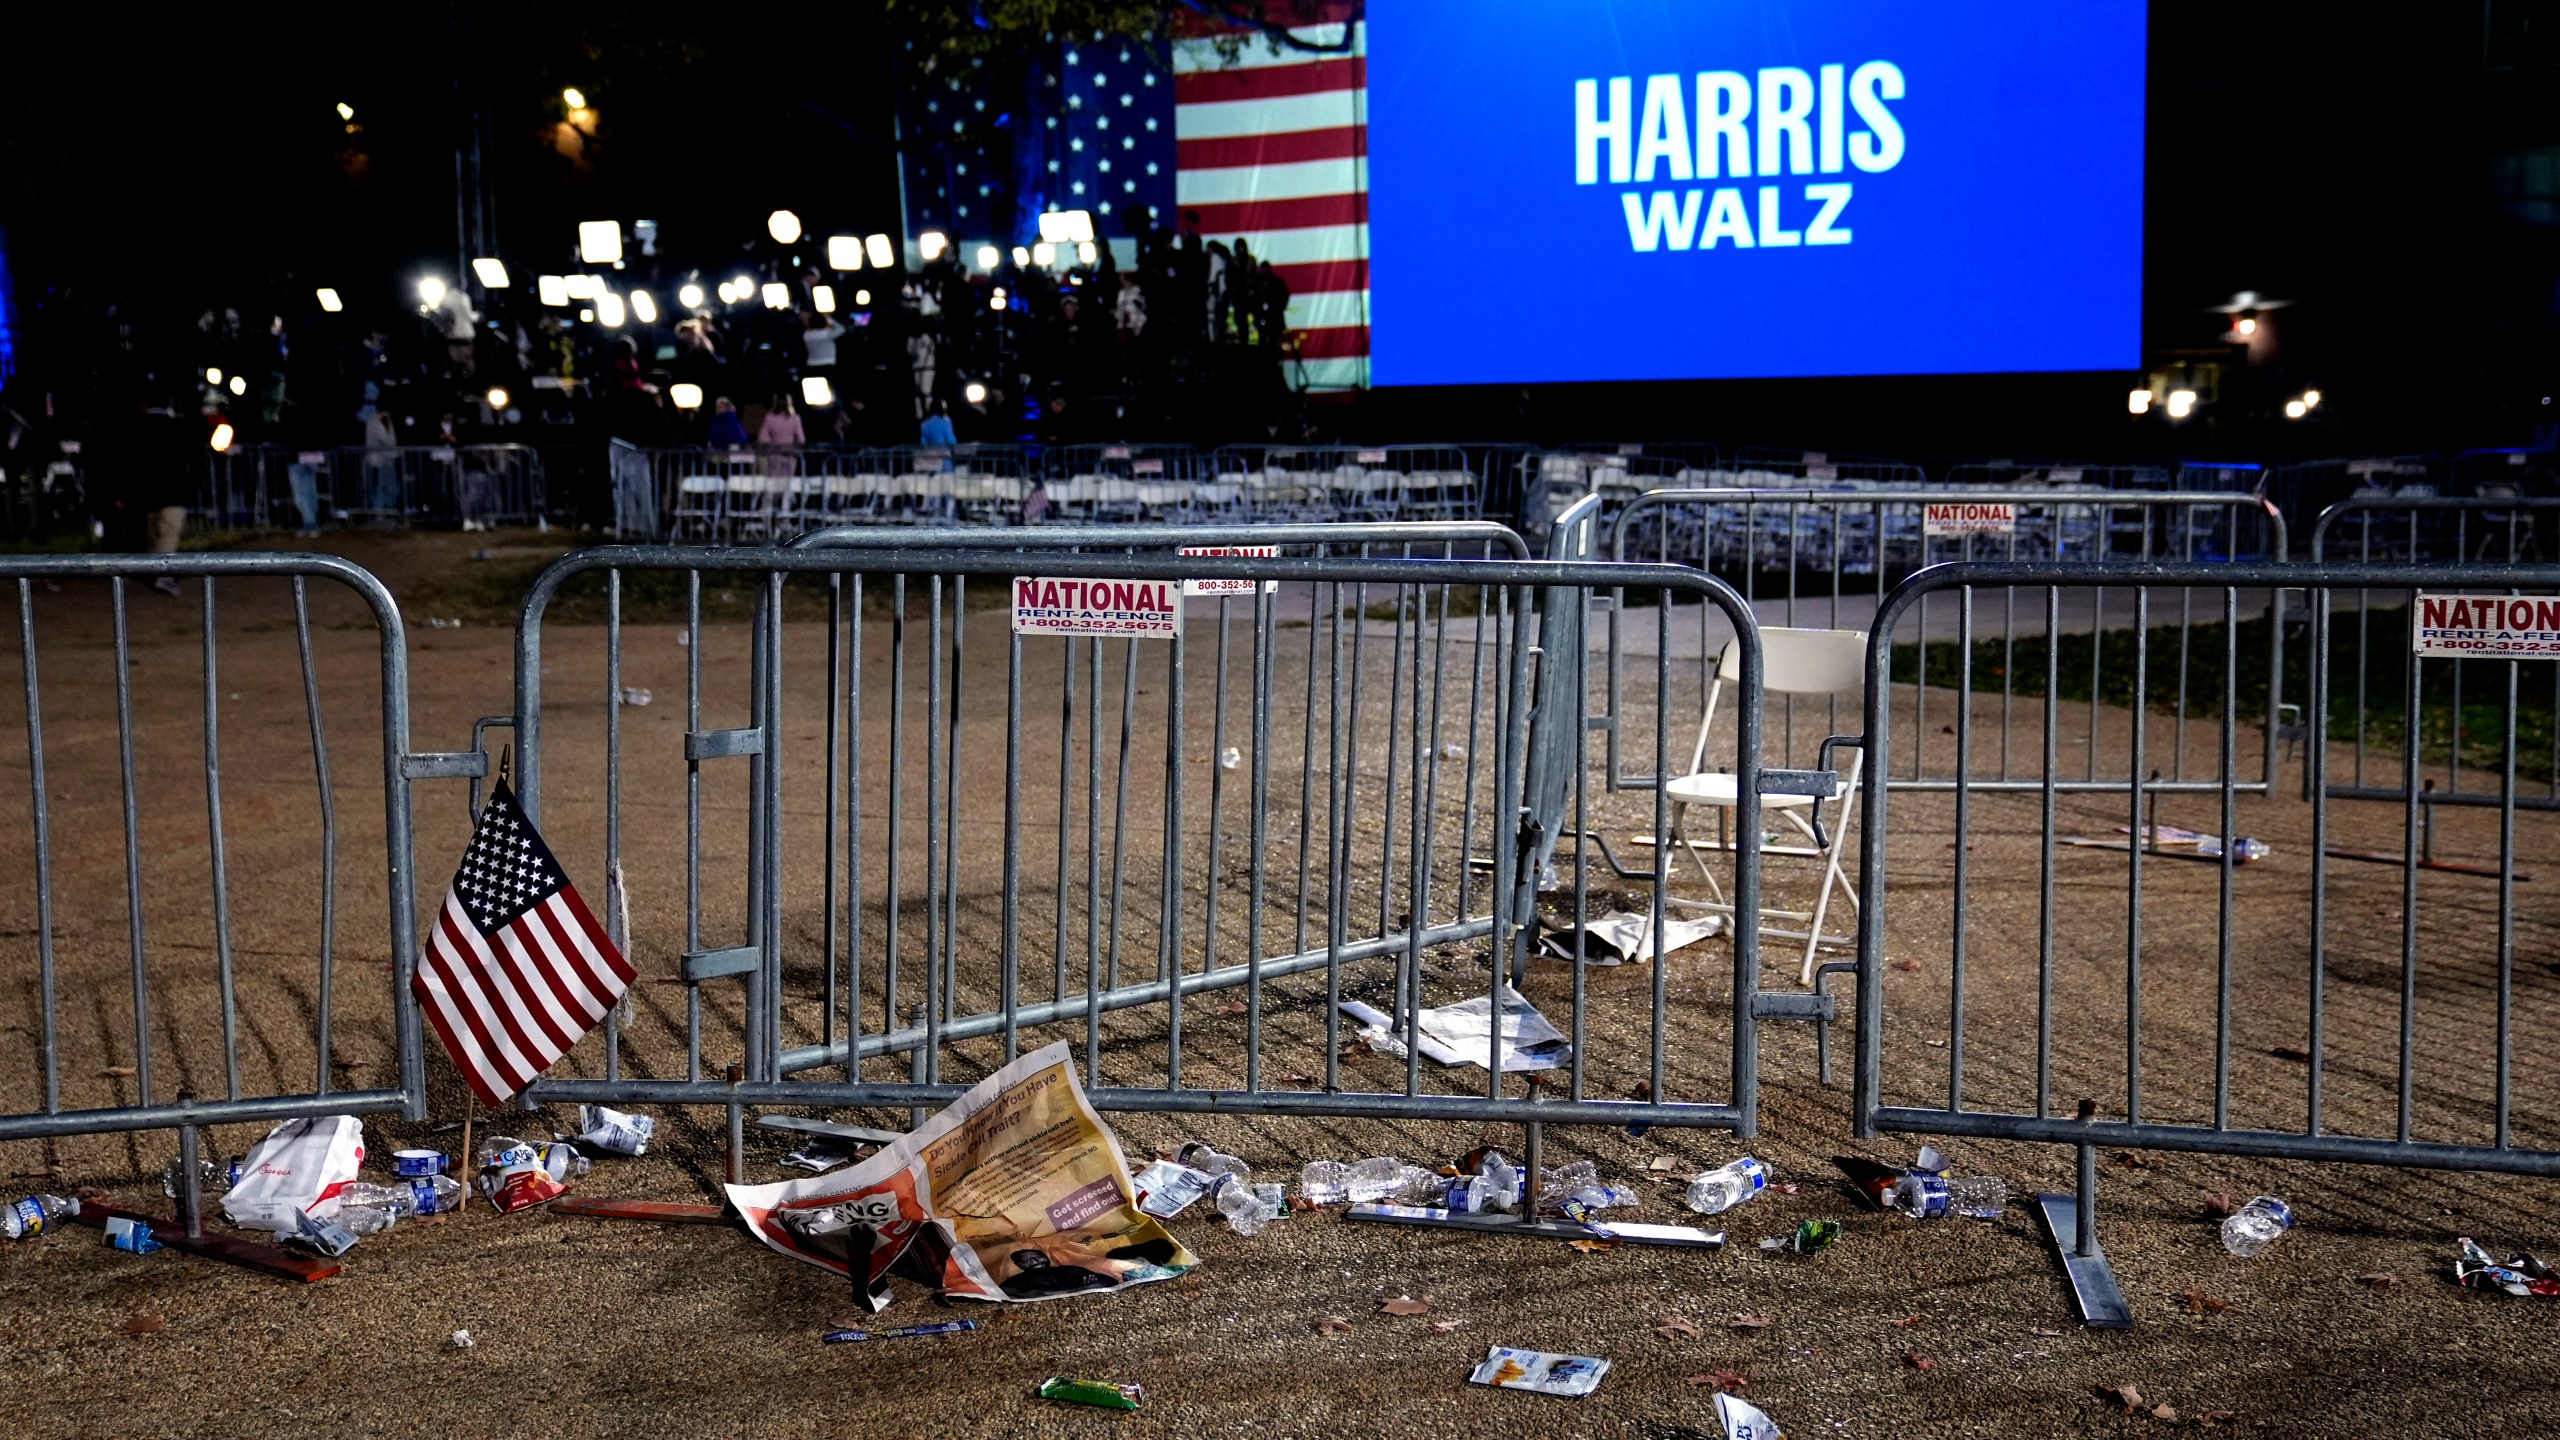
{"x": 2389, "y": 171}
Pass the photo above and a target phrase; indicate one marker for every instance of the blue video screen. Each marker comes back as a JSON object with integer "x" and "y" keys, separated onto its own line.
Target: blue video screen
{"x": 1565, "y": 190}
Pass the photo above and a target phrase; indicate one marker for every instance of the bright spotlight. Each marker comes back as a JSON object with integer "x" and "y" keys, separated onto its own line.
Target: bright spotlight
{"x": 610, "y": 310}
{"x": 238, "y": 385}
{"x": 974, "y": 393}
{"x": 492, "y": 272}
{"x": 783, "y": 226}
{"x": 728, "y": 293}
{"x": 1086, "y": 252}
{"x": 989, "y": 257}
{"x": 574, "y": 98}
{"x": 883, "y": 256}
{"x": 1021, "y": 256}
{"x": 644, "y": 307}
{"x": 1067, "y": 227}
{"x": 932, "y": 243}
{"x": 221, "y": 439}
{"x": 2245, "y": 325}
{"x": 997, "y": 300}
{"x": 2310, "y": 399}
{"x": 551, "y": 289}
{"x": 584, "y": 287}
{"x": 497, "y": 398}
{"x": 346, "y": 111}
{"x": 690, "y": 297}
{"x": 777, "y": 296}
{"x": 2180, "y": 403}
{"x": 587, "y": 315}
{"x": 685, "y": 395}
{"x": 2138, "y": 403}
{"x": 431, "y": 292}
{"x": 822, "y": 298}
{"x": 743, "y": 288}
{"x": 213, "y": 375}
{"x": 814, "y": 390}
{"x": 599, "y": 241}
{"x": 1044, "y": 254}
{"x": 2295, "y": 409}
{"x": 844, "y": 252}
{"x": 329, "y": 300}
{"x": 861, "y": 297}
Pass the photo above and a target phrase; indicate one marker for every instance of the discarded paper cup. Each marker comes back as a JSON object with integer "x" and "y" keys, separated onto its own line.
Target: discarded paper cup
{"x": 417, "y": 1164}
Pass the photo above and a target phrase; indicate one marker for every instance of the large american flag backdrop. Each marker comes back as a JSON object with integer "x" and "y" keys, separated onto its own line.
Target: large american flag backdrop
{"x": 1263, "y": 141}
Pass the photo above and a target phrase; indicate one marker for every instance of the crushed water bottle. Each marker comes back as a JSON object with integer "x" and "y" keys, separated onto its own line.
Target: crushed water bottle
{"x": 2243, "y": 850}
{"x": 368, "y": 1209}
{"x": 213, "y": 1176}
{"x": 2255, "y": 1226}
{"x": 1721, "y": 1189}
{"x": 35, "y": 1215}
{"x": 1921, "y": 1196}
{"x": 1325, "y": 1182}
{"x": 1246, "y": 1212}
{"x": 1493, "y": 1190}
{"x": 1567, "y": 1182}
{"x": 1208, "y": 1160}
{"x": 1376, "y": 1178}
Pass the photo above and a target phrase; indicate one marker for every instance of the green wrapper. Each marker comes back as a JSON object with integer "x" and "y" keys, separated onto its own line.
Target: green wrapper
{"x": 1092, "y": 1392}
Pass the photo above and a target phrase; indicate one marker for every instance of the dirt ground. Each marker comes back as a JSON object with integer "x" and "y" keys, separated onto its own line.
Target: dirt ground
{"x": 2350, "y": 1325}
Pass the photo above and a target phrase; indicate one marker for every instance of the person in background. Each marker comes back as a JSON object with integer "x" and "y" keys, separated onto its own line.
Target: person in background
{"x": 818, "y": 337}
{"x": 781, "y": 430}
{"x": 727, "y": 431}
{"x": 381, "y": 463}
{"x": 937, "y": 433}
{"x": 152, "y": 478}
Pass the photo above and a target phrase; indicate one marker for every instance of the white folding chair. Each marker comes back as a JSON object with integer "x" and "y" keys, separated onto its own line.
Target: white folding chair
{"x": 1823, "y": 663}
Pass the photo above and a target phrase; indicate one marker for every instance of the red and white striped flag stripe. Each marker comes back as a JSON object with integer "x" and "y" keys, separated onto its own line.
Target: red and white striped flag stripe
{"x": 1273, "y": 146}
{"x": 515, "y": 969}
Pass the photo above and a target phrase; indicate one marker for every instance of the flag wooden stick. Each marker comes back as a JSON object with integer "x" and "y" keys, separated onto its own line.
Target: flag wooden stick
{"x": 470, "y": 1107}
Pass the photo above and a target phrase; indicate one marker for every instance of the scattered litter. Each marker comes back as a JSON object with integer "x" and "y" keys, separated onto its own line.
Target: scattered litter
{"x": 635, "y": 695}
{"x": 1452, "y": 750}
{"x": 1332, "y": 1327}
{"x": 516, "y": 1176}
{"x": 1166, "y": 1189}
{"x": 35, "y": 1215}
{"x": 2255, "y": 1226}
{"x": 944, "y": 1327}
{"x": 1870, "y": 1179}
{"x": 1621, "y": 937}
{"x": 2173, "y": 843}
{"x": 1102, "y": 1393}
{"x": 1593, "y": 1247}
{"x": 1719, "y": 1190}
{"x": 1922, "y": 1195}
{"x": 2196, "y": 1302}
{"x": 326, "y": 1236}
{"x": 146, "y": 1323}
{"x": 1749, "y": 1320}
{"x": 461, "y": 1340}
{"x": 1720, "y": 1379}
{"x": 2520, "y": 1275}
{"x": 1918, "y": 1361}
{"x": 1443, "y": 1327}
{"x": 1246, "y": 1208}
{"x": 130, "y": 1235}
{"x": 441, "y": 622}
{"x": 1675, "y": 1327}
{"x": 1809, "y": 1237}
{"x": 683, "y": 638}
{"x": 1405, "y": 1305}
{"x": 415, "y": 1164}
{"x": 1540, "y": 1371}
{"x": 2128, "y": 1395}
{"x": 125, "y": 1072}
{"x": 1463, "y": 1033}
{"x": 1230, "y": 758}
{"x": 2218, "y": 1204}
{"x": 817, "y": 1155}
{"x": 1744, "y": 1420}
{"x": 300, "y": 1166}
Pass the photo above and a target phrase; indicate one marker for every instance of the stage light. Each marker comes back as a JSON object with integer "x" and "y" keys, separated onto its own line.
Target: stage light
{"x": 974, "y": 393}
{"x": 690, "y": 297}
{"x": 931, "y": 244}
{"x": 2245, "y": 325}
{"x": 497, "y": 398}
{"x": 584, "y": 287}
{"x": 644, "y": 308}
{"x": 814, "y": 390}
{"x": 783, "y": 226}
{"x": 346, "y": 111}
{"x": 989, "y": 257}
{"x": 551, "y": 289}
{"x": 221, "y": 439}
{"x": 684, "y": 395}
{"x": 610, "y": 310}
{"x": 431, "y": 292}
{"x": 574, "y": 98}
{"x": 239, "y": 385}
{"x": 2180, "y": 403}
{"x": 822, "y": 298}
{"x": 1021, "y": 256}
{"x": 997, "y": 300}
{"x": 1067, "y": 227}
{"x": 1044, "y": 254}
{"x": 883, "y": 255}
{"x": 212, "y": 375}
{"x": 743, "y": 288}
{"x": 844, "y": 252}
{"x": 777, "y": 296}
{"x": 491, "y": 271}
{"x": 1087, "y": 253}
{"x": 599, "y": 241}
{"x": 2295, "y": 409}
{"x": 2311, "y": 400}
{"x": 586, "y": 315}
{"x": 329, "y": 300}
{"x": 861, "y": 297}
{"x": 2138, "y": 403}
{"x": 728, "y": 293}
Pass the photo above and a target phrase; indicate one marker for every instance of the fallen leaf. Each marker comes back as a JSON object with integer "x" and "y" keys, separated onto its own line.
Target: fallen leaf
{"x": 2136, "y": 1160}
{"x": 1332, "y": 1326}
{"x": 1918, "y": 1361}
{"x": 1642, "y": 1090}
{"x": 1298, "y": 1080}
{"x": 2129, "y": 1396}
{"x": 1662, "y": 1164}
{"x": 1443, "y": 1327}
{"x": 1749, "y": 1320}
{"x": 146, "y": 1323}
{"x": 1406, "y": 1305}
{"x": 2378, "y": 1280}
{"x": 1788, "y": 1189}
{"x": 2199, "y": 1303}
{"x": 1302, "y": 1203}
{"x": 1717, "y": 1379}
{"x": 2218, "y": 1205}
{"x": 1912, "y": 965}
{"x": 1907, "y": 1321}
{"x": 2211, "y": 1418}
{"x": 1356, "y": 1050}
{"x": 1675, "y": 1327}
{"x": 118, "y": 1072}
{"x": 1232, "y": 1007}
{"x": 2165, "y": 1411}
{"x": 2045, "y": 1331}
{"x": 2291, "y": 1052}
{"x": 1594, "y": 1247}
{"x": 87, "y": 1193}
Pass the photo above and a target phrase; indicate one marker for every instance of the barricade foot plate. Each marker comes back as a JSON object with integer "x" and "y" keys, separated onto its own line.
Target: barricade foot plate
{"x": 248, "y": 1254}
{"x": 1543, "y": 1228}
{"x": 2093, "y": 1284}
{"x": 665, "y": 1212}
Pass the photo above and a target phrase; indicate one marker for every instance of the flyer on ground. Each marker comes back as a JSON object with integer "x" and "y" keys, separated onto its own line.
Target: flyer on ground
{"x": 1229, "y": 587}
{"x": 1137, "y": 609}
{"x": 1016, "y": 1191}
{"x": 2487, "y": 627}
{"x": 1959, "y": 518}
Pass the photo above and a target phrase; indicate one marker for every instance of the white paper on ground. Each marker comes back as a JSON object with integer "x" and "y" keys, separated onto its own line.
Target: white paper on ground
{"x": 1462, "y": 1034}
{"x": 1744, "y": 1420}
{"x": 1630, "y": 937}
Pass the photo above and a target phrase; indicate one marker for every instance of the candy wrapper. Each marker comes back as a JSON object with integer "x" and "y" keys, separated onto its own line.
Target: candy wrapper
{"x": 1745, "y": 1421}
{"x": 2521, "y": 1275}
{"x": 1810, "y": 1237}
{"x": 1541, "y": 1371}
{"x": 1101, "y": 1393}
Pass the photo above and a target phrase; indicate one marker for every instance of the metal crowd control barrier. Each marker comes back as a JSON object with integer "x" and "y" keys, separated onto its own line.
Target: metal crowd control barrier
{"x": 1160, "y": 483}
{"x": 272, "y": 487}
{"x": 1760, "y": 465}
{"x": 2060, "y": 474}
{"x": 2403, "y": 695}
{"x": 1770, "y": 543}
{"x": 2232, "y": 998}
{"x": 67, "y": 975}
{"x": 1415, "y": 756}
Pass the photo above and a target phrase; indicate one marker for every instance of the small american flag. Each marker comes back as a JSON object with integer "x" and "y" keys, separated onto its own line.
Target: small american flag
{"x": 515, "y": 968}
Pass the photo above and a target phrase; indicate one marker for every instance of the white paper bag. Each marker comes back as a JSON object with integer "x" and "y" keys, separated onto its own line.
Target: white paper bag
{"x": 300, "y": 1168}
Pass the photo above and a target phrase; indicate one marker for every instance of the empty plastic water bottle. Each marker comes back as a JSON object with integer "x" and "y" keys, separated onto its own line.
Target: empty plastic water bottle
{"x": 2244, "y": 850}
{"x": 1245, "y": 1211}
{"x": 1921, "y": 1196}
{"x": 1721, "y": 1189}
{"x": 434, "y": 1194}
{"x": 2255, "y": 1226}
{"x": 1376, "y": 1177}
{"x": 1325, "y": 1182}
{"x": 1493, "y": 1190}
{"x": 35, "y": 1215}
{"x": 1211, "y": 1161}
{"x": 213, "y": 1176}
{"x": 1567, "y": 1182}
